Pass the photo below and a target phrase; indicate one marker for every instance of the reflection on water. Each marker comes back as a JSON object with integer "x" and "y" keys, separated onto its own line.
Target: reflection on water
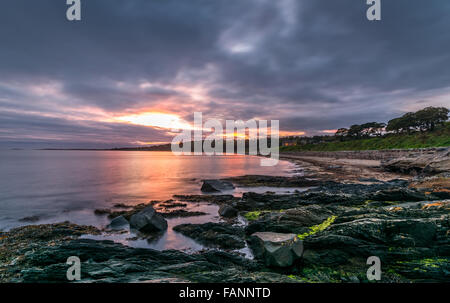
{"x": 55, "y": 186}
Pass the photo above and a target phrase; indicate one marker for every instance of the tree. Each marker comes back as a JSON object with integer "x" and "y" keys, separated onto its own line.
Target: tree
{"x": 424, "y": 120}
{"x": 394, "y": 125}
{"x": 428, "y": 118}
{"x": 355, "y": 131}
{"x": 403, "y": 124}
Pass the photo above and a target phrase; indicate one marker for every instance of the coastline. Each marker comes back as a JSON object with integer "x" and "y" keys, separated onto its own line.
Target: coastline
{"x": 353, "y": 209}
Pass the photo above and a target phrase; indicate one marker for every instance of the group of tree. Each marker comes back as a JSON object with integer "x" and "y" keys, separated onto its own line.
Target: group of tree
{"x": 423, "y": 120}
{"x": 363, "y": 130}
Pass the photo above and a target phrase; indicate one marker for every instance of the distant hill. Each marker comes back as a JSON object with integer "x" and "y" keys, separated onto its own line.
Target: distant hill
{"x": 164, "y": 147}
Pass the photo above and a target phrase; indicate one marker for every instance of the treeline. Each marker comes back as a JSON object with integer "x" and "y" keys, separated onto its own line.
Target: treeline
{"x": 423, "y": 120}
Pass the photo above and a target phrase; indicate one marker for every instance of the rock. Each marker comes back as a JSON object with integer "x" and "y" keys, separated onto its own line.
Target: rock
{"x": 279, "y": 250}
{"x": 170, "y": 204}
{"x": 427, "y": 163}
{"x": 118, "y": 223}
{"x": 411, "y": 239}
{"x": 101, "y": 212}
{"x": 211, "y": 186}
{"x": 428, "y": 269}
{"x": 399, "y": 194}
{"x": 181, "y": 213}
{"x": 439, "y": 164}
{"x": 148, "y": 220}
{"x": 215, "y": 199}
{"x": 220, "y": 235}
{"x": 30, "y": 219}
{"x": 295, "y": 220}
{"x": 106, "y": 261}
{"x": 273, "y": 181}
{"x": 228, "y": 211}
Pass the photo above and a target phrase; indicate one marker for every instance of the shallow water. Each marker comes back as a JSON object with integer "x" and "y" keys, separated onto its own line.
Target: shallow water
{"x": 56, "y": 186}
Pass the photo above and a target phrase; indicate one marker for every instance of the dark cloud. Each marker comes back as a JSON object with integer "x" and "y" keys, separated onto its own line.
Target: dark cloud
{"x": 313, "y": 65}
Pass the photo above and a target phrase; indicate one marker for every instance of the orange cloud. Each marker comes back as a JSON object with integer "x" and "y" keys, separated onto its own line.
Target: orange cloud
{"x": 329, "y": 131}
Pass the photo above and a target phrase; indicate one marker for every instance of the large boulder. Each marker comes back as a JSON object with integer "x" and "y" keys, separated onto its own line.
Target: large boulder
{"x": 148, "y": 220}
{"x": 276, "y": 249}
{"x": 228, "y": 211}
{"x": 212, "y": 186}
{"x": 118, "y": 223}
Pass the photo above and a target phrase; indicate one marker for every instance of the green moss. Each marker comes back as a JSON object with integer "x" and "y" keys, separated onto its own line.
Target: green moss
{"x": 301, "y": 279}
{"x": 433, "y": 263}
{"x": 424, "y": 264}
{"x": 317, "y": 228}
{"x": 430, "y": 261}
{"x": 254, "y": 215}
{"x": 427, "y": 261}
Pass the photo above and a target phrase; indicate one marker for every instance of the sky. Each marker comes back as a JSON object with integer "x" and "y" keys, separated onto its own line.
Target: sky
{"x": 130, "y": 71}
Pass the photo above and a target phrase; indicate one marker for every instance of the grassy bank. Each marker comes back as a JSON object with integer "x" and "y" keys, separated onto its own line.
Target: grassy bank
{"x": 437, "y": 138}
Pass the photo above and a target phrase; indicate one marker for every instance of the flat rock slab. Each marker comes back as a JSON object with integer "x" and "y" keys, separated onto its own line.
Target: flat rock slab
{"x": 276, "y": 249}
{"x": 433, "y": 163}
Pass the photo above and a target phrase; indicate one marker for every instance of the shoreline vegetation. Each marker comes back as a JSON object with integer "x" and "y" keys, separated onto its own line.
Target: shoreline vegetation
{"x": 422, "y": 129}
{"x": 351, "y": 209}
{"x": 440, "y": 137}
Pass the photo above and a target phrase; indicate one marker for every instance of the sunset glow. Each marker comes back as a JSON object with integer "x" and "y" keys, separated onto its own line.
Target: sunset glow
{"x": 329, "y": 131}
{"x": 155, "y": 119}
{"x": 291, "y": 133}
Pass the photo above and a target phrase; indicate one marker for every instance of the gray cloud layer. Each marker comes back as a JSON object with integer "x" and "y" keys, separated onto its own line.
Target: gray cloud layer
{"x": 312, "y": 64}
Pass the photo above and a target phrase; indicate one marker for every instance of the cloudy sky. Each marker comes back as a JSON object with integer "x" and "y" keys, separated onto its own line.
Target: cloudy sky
{"x": 132, "y": 69}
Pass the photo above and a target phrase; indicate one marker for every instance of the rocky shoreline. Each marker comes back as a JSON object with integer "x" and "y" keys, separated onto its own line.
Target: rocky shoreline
{"x": 323, "y": 234}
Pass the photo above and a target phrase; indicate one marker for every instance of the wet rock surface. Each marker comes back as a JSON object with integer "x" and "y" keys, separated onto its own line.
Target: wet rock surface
{"x": 274, "y": 181}
{"x": 221, "y": 235}
{"x": 337, "y": 194}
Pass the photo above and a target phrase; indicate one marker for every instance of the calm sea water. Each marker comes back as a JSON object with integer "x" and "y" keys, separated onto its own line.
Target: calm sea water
{"x": 69, "y": 185}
